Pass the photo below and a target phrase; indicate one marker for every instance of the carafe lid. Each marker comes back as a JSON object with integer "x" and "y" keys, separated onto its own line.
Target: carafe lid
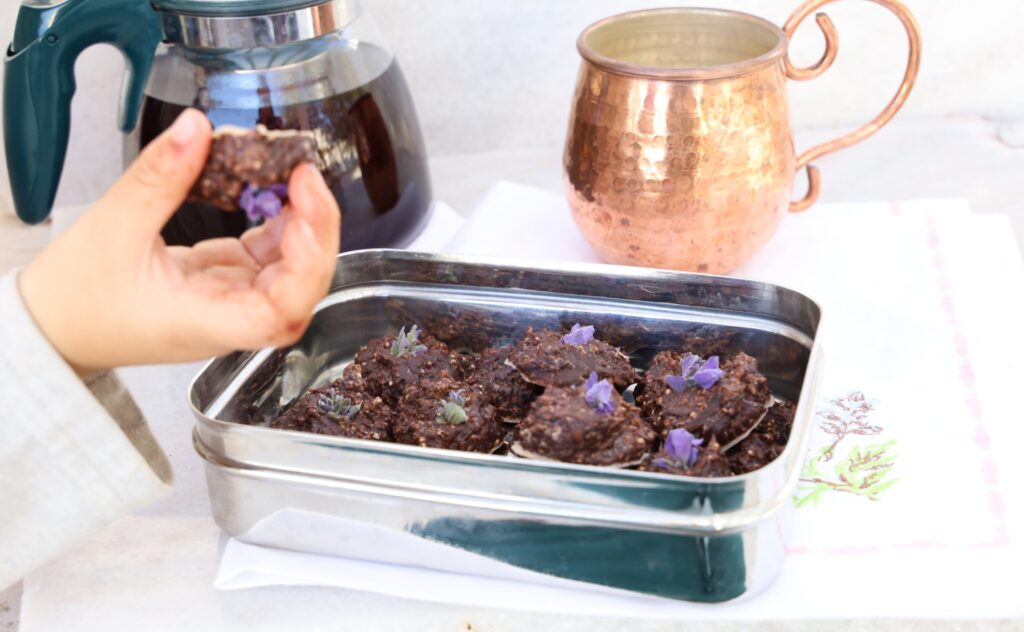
{"x": 242, "y": 24}
{"x": 234, "y": 8}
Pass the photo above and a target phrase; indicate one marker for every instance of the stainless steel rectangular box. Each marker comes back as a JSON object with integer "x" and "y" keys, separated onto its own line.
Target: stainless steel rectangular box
{"x": 679, "y": 537}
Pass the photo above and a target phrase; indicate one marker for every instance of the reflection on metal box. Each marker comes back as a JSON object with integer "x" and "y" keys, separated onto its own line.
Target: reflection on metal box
{"x": 710, "y": 539}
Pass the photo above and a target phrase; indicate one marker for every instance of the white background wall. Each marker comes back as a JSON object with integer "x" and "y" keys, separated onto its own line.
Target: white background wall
{"x": 497, "y": 74}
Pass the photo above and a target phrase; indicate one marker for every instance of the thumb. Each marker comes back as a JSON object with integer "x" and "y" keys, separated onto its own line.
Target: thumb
{"x": 157, "y": 183}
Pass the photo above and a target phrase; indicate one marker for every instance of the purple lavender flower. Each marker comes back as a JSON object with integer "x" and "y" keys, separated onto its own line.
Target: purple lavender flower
{"x": 682, "y": 446}
{"x": 695, "y": 371}
{"x": 408, "y": 343}
{"x": 598, "y": 394}
{"x": 263, "y": 202}
{"x": 688, "y": 361}
{"x": 708, "y": 373}
{"x": 579, "y": 335}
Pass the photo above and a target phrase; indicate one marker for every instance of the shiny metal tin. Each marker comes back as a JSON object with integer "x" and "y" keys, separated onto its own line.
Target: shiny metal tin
{"x": 678, "y": 537}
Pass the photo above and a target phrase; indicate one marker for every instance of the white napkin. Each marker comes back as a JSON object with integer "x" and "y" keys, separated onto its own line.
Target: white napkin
{"x": 923, "y": 303}
{"x": 443, "y": 224}
{"x": 525, "y": 222}
{"x": 247, "y": 566}
{"x": 530, "y": 223}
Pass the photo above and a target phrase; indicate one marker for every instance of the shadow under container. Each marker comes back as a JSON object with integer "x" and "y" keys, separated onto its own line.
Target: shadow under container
{"x": 696, "y": 539}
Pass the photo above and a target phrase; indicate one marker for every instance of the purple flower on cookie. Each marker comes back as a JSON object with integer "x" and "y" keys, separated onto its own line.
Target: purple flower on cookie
{"x": 598, "y": 394}
{"x": 452, "y": 411}
{"x": 682, "y": 446}
{"x": 579, "y": 335}
{"x": 336, "y": 406}
{"x": 695, "y": 372}
{"x": 263, "y": 202}
{"x": 407, "y": 342}
{"x": 682, "y": 450}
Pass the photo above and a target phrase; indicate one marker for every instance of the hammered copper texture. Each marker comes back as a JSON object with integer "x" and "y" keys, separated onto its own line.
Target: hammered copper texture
{"x": 690, "y": 175}
{"x": 680, "y": 152}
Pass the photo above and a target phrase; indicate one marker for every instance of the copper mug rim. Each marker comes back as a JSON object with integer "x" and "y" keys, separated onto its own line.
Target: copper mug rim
{"x": 709, "y": 71}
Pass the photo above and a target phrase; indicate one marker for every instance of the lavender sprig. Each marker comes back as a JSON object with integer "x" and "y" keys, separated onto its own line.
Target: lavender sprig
{"x": 452, "y": 411}
{"x": 695, "y": 372}
{"x": 336, "y": 406}
{"x": 598, "y": 394}
{"x": 263, "y": 202}
{"x": 579, "y": 335}
{"x": 407, "y": 343}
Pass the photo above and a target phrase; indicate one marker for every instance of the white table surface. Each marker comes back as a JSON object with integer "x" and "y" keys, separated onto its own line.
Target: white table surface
{"x": 962, "y": 158}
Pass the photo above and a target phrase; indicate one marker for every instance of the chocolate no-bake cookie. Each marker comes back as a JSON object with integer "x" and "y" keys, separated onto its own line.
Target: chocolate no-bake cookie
{"x": 352, "y": 378}
{"x": 711, "y": 462}
{"x": 707, "y": 342}
{"x": 257, "y": 157}
{"x": 588, "y": 423}
{"x": 706, "y": 418}
{"x": 387, "y": 366}
{"x": 332, "y": 410}
{"x": 697, "y": 460}
{"x": 504, "y": 387}
{"x": 681, "y": 391}
{"x": 456, "y": 419}
{"x": 466, "y": 364}
{"x": 550, "y": 358}
{"x": 766, "y": 442}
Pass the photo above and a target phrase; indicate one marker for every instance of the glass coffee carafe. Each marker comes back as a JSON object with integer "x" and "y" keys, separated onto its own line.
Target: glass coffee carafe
{"x": 286, "y": 65}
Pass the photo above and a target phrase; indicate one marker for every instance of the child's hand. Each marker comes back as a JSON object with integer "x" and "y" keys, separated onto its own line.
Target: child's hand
{"x": 110, "y": 292}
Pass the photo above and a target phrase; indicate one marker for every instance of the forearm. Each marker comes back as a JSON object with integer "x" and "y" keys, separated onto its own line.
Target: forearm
{"x": 73, "y": 454}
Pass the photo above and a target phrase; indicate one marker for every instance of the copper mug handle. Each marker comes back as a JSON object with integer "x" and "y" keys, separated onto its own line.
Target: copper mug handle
{"x": 828, "y": 29}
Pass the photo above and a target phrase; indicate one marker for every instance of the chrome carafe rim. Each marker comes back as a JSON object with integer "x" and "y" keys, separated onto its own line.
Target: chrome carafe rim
{"x": 255, "y": 31}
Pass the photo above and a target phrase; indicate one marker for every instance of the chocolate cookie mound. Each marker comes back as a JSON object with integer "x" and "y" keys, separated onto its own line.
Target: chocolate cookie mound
{"x": 709, "y": 463}
{"x": 766, "y": 442}
{"x": 457, "y": 419}
{"x": 653, "y": 388}
{"x": 466, "y": 364}
{"x": 502, "y": 384}
{"x": 570, "y": 424}
{"x": 550, "y": 358}
{"x": 708, "y": 343}
{"x": 332, "y": 410}
{"x": 352, "y": 378}
{"x": 726, "y": 410}
{"x": 778, "y": 423}
{"x": 249, "y": 156}
{"x": 387, "y": 366}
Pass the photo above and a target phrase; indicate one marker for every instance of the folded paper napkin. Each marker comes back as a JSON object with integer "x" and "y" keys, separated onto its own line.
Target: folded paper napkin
{"x": 909, "y": 503}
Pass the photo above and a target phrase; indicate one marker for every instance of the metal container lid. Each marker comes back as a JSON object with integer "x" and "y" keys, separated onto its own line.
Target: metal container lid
{"x": 242, "y": 24}
{"x": 233, "y": 8}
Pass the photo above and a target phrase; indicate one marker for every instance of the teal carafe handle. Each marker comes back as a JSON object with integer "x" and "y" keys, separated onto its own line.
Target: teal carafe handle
{"x": 40, "y": 80}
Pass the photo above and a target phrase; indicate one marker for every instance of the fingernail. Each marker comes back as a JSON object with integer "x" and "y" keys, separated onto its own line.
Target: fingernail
{"x": 184, "y": 130}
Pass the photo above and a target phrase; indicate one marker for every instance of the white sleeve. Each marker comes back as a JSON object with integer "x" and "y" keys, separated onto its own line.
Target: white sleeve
{"x": 74, "y": 454}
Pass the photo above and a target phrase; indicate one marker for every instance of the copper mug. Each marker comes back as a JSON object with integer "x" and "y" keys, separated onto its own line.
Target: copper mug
{"x": 680, "y": 152}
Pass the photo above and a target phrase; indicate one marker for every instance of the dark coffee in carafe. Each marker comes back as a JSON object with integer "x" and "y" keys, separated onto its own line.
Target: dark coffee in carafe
{"x": 371, "y": 156}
